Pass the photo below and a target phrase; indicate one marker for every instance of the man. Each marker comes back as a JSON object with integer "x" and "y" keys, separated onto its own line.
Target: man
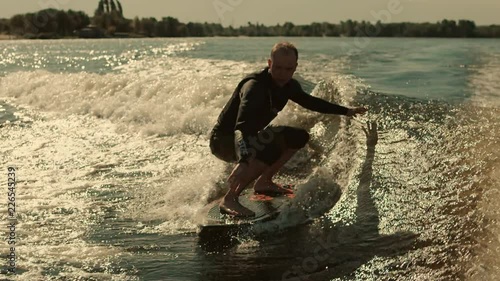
{"x": 242, "y": 133}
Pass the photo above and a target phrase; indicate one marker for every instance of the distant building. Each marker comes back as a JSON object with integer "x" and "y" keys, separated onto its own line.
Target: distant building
{"x": 91, "y": 31}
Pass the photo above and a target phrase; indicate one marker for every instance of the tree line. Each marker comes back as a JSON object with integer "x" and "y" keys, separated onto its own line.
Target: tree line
{"x": 109, "y": 18}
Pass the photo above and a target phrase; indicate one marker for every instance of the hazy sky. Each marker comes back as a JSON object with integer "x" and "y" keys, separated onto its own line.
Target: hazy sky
{"x": 270, "y": 12}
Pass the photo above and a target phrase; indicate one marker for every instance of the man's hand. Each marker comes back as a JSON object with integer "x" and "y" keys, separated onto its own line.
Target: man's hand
{"x": 352, "y": 112}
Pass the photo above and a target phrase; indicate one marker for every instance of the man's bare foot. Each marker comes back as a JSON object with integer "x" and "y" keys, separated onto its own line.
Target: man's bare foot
{"x": 232, "y": 207}
{"x": 270, "y": 188}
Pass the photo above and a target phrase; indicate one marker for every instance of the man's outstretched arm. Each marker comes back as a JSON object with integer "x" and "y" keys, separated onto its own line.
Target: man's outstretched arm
{"x": 322, "y": 106}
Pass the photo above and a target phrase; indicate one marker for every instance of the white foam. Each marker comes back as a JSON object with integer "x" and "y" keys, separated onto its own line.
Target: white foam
{"x": 178, "y": 96}
{"x": 133, "y": 142}
{"x": 55, "y": 213}
{"x": 485, "y": 83}
{"x": 336, "y": 164}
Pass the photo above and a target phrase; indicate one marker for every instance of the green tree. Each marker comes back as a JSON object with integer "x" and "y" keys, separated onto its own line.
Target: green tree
{"x": 167, "y": 27}
{"x": 44, "y": 21}
{"x": 109, "y": 16}
{"x": 4, "y": 26}
{"x": 100, "y": 9}
{"x": 330, "y": 29}
{"x": 447, "y": 28}
{"x": 171, "y": 26}
{"x": 195, "y": 29}
{"x": 106, "y": 5}
{"x": 429, "y": 30}
{"x": 317, "y": 29}
{"x": 491, "y": 31}
{"x": 137, "y": 25}
{"x": 466, "y": 28}
{"x": 123, "y": 25}
{"x": 65, "y": 24}
{"x": 149, "y": 26}
{"x": 120, "y": 8}
{"x": 16, "y": 24}
{"x": 347, "y": 28}
{"x": 80, "y": 19}
{"x": 113, "y": 6}
{"x": 182, "y": 30}
{"x": 230, "y": 31}
{"x": 288, "y": 29}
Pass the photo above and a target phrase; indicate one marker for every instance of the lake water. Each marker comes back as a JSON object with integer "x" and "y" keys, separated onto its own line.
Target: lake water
{"x": 109, "y": 142}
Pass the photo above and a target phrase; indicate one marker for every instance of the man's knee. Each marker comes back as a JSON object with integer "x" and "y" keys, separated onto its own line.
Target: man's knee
{"x": 222, "y": 147}
{"x": 296, "y": 138}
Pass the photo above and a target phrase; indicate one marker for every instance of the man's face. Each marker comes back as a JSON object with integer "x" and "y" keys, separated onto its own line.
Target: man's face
{"x": 282, "y": 66}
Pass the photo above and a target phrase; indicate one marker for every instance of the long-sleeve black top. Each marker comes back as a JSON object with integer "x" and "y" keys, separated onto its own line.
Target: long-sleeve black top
{"x": 256, "y": 101}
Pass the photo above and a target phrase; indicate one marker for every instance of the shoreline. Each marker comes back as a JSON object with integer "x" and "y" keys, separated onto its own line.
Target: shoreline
{"x": 9, "y": 37}
{"x": 5, "y": 37}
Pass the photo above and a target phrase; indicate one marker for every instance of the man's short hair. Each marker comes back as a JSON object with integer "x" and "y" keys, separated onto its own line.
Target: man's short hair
{"x": 285, "y": 48}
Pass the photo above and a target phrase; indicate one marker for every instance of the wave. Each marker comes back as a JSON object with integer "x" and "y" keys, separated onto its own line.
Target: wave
{"x": 181, "y": 96}
{"x": 131, "y": 153}
{"x": 482, "y": 115}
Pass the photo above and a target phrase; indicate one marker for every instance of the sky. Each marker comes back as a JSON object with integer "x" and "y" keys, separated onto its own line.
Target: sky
{"x": 271, "y": 12}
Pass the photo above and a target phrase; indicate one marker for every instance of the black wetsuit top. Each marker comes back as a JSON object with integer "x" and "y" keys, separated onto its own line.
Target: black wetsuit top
{"x": 256, "y": 101}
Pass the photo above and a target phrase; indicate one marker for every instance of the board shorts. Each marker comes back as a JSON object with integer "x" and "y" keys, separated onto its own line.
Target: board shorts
{"x": 267, "y": 146}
